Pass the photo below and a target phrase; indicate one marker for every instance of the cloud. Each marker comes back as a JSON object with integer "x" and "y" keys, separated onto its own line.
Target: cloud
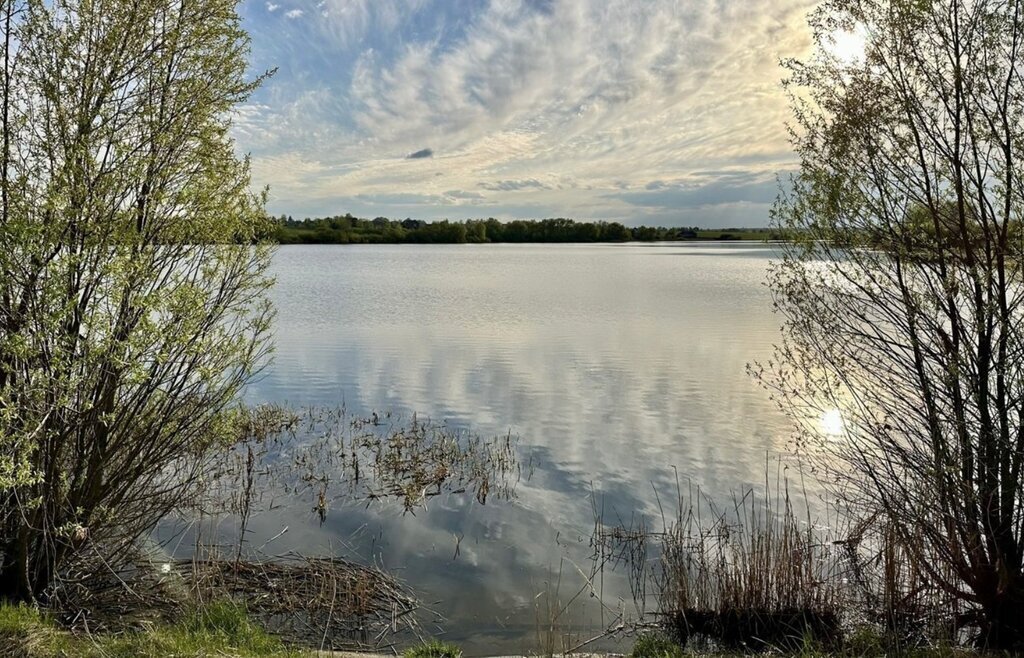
{"x": 465, "y": 196}
{"x": 399, "y": 199}
{"x": 272, "y": 7}
{"x": 351, "y": 23}
{"x": 510, "y": 185}
{"x": 659, "y": 194}
{"x": 602, "y": 109}
{"x": 294, "y": 13}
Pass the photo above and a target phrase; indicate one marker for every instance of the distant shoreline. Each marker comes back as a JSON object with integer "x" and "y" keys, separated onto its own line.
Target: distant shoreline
{"x": 347, "y": 229}
{"x": 567, "y": 243}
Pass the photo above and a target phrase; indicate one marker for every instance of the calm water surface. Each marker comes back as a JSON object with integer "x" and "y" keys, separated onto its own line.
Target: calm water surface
{"x": 612, "y": 363}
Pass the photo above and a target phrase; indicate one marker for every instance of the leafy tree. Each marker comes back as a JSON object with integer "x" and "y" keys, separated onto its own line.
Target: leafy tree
{"x": 902, "y": 284}
{"x": 616, "y": 232}
{"x": 131, "y": 308}
{"x": 476, "y": 231}
{"x": 495, "y": 230}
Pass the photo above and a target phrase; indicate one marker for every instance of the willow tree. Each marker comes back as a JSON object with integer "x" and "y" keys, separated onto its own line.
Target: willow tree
{"x": 132, "y": 304}
{"x": 902, "y": 284}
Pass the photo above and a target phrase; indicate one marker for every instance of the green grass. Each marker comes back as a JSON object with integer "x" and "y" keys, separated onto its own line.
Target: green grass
{"x": 433, "y": 649}
{"x": 221, "y": 629}
{"x": 227, "y": 623}
{"x": 655, "y": 645}
{"x": 17, "y": 619}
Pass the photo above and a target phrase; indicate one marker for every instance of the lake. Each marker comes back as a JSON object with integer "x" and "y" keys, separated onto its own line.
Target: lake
{"x": 616, "y": 365}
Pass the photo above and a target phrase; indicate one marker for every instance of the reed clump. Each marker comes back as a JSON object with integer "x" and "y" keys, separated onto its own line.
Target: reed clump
{"x": 752, "y": 576}
{"x": 759, "y": 575}
{"x": 751, "y": 580}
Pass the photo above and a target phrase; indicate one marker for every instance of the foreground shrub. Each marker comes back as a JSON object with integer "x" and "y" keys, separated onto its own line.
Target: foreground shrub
{"x": 132, "y": 308}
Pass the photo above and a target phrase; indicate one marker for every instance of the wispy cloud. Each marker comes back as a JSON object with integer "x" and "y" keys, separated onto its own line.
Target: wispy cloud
{"x": 510, "y": 185}
{"x": 592, "y": 108}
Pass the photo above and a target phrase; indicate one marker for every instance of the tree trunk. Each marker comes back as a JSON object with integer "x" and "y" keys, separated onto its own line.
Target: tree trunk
{"x": 14, "y": 582}
{"x": 1003, "y": 626}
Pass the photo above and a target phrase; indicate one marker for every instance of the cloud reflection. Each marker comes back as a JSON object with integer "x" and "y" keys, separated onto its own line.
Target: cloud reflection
{"x": 611, "y": 364}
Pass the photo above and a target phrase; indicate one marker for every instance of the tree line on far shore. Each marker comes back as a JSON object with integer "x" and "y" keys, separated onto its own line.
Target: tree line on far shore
{"x": 347, "y": 229}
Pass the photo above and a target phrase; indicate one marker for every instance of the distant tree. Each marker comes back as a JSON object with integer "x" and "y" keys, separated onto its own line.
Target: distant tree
{"x": 394, "y": 234}
{"x": 494, "y": 230}
{"x": 646, "y": 233}
{"x": 616, "y": 232}
{"x": 588, "y": 232}
{"x": 344, "y": 229}
{"x": 132, "y": 309}
{"x": 450, "y": 232}
{"x": 902, "y": 285}
{"x": 476, "y": 232}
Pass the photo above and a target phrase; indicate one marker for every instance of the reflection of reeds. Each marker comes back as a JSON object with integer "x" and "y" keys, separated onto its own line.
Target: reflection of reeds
{"x": 757, "y": 574}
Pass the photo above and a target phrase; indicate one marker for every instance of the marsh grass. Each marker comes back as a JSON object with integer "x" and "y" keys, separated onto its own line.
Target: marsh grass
{"x": 227, "y": 622}
{"x": 551, "y": 635}
{"x": 754, "y": 577}
{"x": 763, "y": 574}
{"x": 319, "y": 457}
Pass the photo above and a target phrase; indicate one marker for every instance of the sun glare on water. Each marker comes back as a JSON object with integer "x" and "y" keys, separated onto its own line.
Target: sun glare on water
{"x": 832, "y": 422}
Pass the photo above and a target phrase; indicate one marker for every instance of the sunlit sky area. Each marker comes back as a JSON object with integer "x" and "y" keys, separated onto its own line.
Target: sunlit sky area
{"x": 657, "y": 111}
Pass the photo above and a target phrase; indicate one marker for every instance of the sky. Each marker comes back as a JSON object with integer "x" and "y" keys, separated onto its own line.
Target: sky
{"x": 666, "y": 112}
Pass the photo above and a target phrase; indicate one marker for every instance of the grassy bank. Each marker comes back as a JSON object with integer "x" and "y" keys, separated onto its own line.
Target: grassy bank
{"x": 220, "y": 629}
{"x": 223, "y": 630}
{"x": 217, "y": 630}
